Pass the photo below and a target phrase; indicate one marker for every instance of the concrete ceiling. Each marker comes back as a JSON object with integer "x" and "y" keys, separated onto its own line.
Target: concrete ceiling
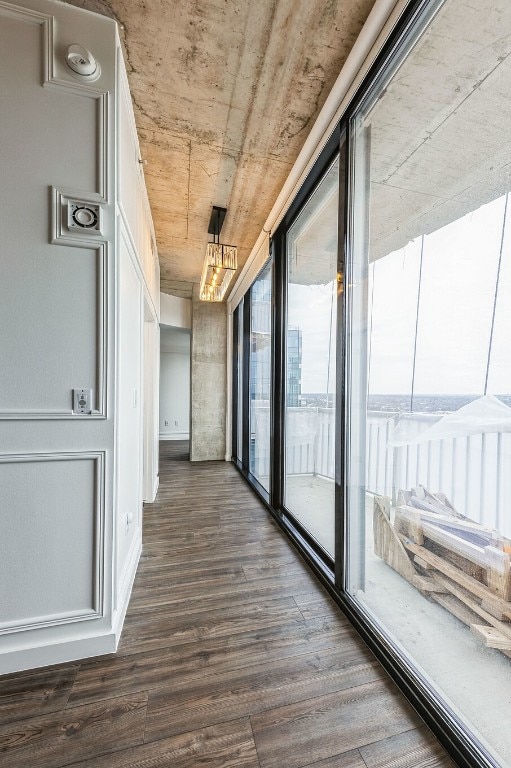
{"x": 225, "y": 93}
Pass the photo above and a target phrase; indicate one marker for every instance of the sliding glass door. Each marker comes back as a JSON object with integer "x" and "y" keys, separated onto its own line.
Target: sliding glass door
{"x": 310, "y": 362}
{"x": 428, "y": 415}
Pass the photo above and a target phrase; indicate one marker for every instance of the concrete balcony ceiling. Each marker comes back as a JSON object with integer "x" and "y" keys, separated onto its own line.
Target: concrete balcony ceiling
{"x": 225, "y": 94}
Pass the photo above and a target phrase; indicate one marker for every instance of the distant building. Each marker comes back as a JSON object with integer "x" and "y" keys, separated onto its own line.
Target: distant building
{"x": 260, "y": 373}
{"x": 260, "y": 357}
{"x": 294, "y": 367}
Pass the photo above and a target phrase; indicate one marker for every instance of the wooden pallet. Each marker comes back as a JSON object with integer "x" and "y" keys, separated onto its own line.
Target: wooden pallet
{"x": 469, "y": 575}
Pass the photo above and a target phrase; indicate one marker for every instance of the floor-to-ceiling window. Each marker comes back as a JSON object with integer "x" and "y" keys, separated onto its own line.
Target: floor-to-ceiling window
{"x": 260, "y": 376}
{"x": 311, "y": 254}
{"x": 394, "y": 430}
{"x": 429, "y": 403}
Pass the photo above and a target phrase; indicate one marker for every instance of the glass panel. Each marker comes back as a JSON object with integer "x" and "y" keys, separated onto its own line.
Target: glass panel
{"x": 429, "y": 361}
{"x": 240, "y": 381}
{"x": 309, "y": 491}
{"x": 260, "y": 376}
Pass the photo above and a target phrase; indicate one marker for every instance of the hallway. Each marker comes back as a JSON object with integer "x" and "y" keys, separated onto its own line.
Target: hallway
{"x": 232, "y": 656}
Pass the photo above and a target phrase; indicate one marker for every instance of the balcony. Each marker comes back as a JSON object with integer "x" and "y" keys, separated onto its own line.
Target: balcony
{"x": 472, "y": 471}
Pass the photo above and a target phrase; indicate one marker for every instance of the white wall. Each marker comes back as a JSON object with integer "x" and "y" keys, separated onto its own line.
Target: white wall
{"x": 129, "y": 422}
{"x": 72, "y": 306}
{"x": 138, "y": 297}
{"x": 175, "y": 311}
{"x": 151, "y": 388}
{"x": 174, "y": 384}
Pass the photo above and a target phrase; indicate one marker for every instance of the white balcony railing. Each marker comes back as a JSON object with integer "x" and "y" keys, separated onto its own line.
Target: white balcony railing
{"x": 473, "y": 471}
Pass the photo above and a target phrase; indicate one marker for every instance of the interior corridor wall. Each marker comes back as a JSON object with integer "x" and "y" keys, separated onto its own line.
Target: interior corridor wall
{"x": 174, "y": 384}
{"x": 69, "y": 308}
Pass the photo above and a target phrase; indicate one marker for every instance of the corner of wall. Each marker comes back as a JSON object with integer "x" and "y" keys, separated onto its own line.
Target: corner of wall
{"x": 126, "y": 586}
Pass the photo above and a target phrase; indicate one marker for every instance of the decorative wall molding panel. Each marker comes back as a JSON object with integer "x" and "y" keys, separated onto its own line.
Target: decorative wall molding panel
{"x": 101, "y": 250}
{"x": 65, "y": 133}
{"x": 50, "y": 78}
{"x": 30, "y": 16}
{"x": 81, "y": 276}
{"x": 45, "y": 513}
{"x": 63, "y": 202}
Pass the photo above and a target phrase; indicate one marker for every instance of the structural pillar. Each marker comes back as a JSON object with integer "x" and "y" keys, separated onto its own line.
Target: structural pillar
{"x": 208, "y": 380}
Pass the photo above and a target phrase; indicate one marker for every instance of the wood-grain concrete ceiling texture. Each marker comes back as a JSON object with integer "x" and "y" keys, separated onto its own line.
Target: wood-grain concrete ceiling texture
{"x": 225, "y": 93}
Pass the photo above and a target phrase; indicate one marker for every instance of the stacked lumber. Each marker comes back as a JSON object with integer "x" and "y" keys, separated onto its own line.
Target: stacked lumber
{"x": 462, "y": 565}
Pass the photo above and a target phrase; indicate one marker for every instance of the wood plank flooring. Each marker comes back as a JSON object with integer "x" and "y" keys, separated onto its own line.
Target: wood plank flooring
{"x": 232, "y": 656}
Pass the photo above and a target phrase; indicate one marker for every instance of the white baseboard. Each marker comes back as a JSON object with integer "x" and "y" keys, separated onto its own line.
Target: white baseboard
{"x": 174, "y": 435}
{"x": 57, "y": 653}
{"x": 125, "y": 587}
{"x": 84, "y": 647}
{"x": 154, "y": 490}
{"x": 156, "y": 485}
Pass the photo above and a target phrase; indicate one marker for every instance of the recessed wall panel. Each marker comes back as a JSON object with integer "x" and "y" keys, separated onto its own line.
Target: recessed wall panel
{"x": 50, "y": 521}
{"x": 49, "y": 340}
{"x": 48, "y": 292}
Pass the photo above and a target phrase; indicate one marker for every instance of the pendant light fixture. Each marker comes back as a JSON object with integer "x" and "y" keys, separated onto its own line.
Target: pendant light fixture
{"x": 221, "y": 261}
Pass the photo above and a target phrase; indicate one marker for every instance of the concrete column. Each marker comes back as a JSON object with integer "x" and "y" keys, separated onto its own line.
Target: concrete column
{"x": 208, "y": 380}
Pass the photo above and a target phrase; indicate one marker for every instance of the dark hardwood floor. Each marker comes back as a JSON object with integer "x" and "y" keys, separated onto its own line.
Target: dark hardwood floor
{"x": 232, "y": 656}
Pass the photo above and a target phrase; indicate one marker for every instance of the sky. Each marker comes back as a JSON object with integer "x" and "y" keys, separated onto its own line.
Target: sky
{"x": 454, "y": 321}
{"x": 310, "y": 309}
{"x": 457, "y": 291}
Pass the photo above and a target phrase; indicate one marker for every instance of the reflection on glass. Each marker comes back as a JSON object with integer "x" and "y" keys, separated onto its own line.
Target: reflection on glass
{"x": 260, "y": 377}
{"x": 310, "y": 371}
{"x": 429, "y": 360}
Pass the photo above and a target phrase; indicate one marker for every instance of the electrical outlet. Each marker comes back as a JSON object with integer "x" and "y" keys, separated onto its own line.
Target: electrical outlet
{"x": 176, "y": 423}
{"x": 166, "y": 423}
{"x": 82, "y": 400}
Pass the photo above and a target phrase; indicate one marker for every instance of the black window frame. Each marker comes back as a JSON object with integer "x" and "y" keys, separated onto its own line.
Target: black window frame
{"x": 235, "y": 390}
{"x": 334, "y": 148}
